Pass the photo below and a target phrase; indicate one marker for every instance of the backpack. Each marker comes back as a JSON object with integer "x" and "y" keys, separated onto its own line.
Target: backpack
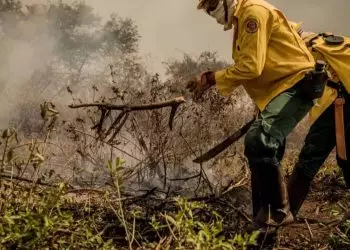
{"x": 336, "y": 52}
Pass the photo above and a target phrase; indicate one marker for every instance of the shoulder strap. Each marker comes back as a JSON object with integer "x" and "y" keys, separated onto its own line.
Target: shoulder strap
{"x": 329, "y": 39}
{"x": 311, "y": 41}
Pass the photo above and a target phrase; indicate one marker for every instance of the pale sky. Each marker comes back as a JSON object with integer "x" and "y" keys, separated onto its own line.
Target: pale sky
{"x": 171, "y": 27}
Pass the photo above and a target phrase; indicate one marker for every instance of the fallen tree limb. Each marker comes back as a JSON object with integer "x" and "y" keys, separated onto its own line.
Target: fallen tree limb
{"x": 174, "y": 102}
{"x": 118, "y": 123}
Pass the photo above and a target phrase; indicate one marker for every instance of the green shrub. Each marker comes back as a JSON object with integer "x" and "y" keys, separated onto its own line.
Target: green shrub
{"x": 341, "y": 239}
{"x": 189, "y": 231}
{"x": 33, "y": 219}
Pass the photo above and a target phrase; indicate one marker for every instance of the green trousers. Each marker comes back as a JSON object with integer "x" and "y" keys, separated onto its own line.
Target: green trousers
{"x": 321, "y": 140}
{"x": 264, "y": 149}
{"x": 265, "y": 140}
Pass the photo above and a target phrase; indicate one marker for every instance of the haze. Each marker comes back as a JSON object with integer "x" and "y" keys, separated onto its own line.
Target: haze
{"x": 169, "y": 28}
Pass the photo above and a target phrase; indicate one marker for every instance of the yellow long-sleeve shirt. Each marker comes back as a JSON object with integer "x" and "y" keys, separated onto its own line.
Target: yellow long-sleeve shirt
{"x": 269, "y": 55}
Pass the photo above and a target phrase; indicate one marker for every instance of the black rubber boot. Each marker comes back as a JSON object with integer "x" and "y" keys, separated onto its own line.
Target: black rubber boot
{"x": 298, "y": 189}
{"x": 270, "y": 202}
{"x": 256, "y": 194}
{"x": 345, "y": 167}
{"x": 256, "y": 198}
{"x": 274, "y": 210}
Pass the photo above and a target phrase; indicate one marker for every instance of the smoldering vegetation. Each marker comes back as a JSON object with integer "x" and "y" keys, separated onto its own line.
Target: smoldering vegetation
{"x": 60, "y": 54}
{"x": 56, "y": 55}
{"x": 64, "y": 53}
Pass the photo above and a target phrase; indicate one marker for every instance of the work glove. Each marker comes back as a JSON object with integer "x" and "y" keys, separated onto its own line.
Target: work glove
{"x": 201, "y": 83}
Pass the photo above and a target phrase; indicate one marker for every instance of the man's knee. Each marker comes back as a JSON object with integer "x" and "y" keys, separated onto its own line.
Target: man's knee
{"x": 252, "y": 141}
{"x": 259, "y": 145}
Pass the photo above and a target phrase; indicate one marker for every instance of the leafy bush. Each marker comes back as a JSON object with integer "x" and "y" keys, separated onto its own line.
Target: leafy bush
{"x": 189, "y": 231}
{"x": 36, "y": 217}
{"x": 33, "y": 219}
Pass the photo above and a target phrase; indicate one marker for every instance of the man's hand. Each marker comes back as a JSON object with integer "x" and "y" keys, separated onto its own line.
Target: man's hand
{"x": 201, "y": 83}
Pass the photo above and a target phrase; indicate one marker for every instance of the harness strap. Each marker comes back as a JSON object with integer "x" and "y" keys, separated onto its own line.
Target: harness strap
{"x": 329, "y": 38}
{"x": 340, "y": 128}
{"x": 339, "y": 119}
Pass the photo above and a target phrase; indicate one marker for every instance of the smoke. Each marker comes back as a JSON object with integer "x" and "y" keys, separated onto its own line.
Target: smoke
{"x": 167, "y": 28}
{"x": 170, "y": 28}
{"x": 32, "y": 45}
{"x": 25, "y": 47}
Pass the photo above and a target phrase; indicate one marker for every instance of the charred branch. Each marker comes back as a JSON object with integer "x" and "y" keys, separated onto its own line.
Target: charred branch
{"x": 108, "y": 106}
{"x": 122, "y": 117}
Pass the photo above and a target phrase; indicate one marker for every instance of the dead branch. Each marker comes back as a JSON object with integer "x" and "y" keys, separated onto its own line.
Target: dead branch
{"x": 172, "y": 115}
{"x": 185, "y": 178}
{"x": 85, "y": 190}
{"x": 206, "y": 179}
{"x": 240, "y": 183}
{"x": 119, "y": 122}
{"x": 104, "y": 114}
{"x": 120, "y": 125}
{"x": 18, "y": 178}
{"x": 115, "y": 123}
{"x": 108, "y": 106}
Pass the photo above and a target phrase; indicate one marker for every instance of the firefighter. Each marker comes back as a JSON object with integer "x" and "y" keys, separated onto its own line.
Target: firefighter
{"x": 330, "y": 118}
{"x": 271, "y": 63}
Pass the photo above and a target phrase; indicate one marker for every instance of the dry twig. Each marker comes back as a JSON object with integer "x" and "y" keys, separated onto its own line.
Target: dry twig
{"x": 309, "y": 228}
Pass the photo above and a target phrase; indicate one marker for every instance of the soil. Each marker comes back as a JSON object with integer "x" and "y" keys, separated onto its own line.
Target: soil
{"x": 320, "y": 221}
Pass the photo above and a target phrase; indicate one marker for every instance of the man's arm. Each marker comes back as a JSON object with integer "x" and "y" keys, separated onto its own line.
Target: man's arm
{"x": 254, "y": 29}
